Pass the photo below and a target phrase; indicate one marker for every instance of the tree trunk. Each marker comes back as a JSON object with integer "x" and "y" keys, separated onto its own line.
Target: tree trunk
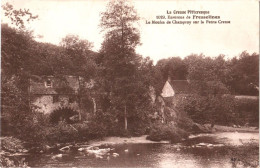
{"x": 125, "y": 119}
{"x": 79, "y": 99}
{"x": 94, "y": 106}
{"x": 212, "y": 124}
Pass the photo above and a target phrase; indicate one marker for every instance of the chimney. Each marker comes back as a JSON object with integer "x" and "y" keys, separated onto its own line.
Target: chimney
{"x": 169, "y": 79}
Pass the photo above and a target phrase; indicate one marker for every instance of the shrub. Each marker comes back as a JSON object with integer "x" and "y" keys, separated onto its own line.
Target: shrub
{"x": 170, "y": 133}
{"x": 12, "y": 145}
{"x": 84, "y": 131}
{"x": 247, "y": 111}
{"x": 210, "y": 109}
{"x": 185, "y": 122}
{"x": 90, "y": 130}
{"x": 62, "y": 132}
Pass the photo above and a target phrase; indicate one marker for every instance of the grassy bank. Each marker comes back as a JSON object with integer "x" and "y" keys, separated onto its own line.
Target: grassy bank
{"x": 221, "y": 128}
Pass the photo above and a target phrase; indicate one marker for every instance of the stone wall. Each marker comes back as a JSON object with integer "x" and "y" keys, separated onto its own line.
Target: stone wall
{"x": 46, "y": 103}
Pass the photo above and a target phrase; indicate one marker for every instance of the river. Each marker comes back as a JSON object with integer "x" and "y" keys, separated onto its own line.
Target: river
{"x": 200, "y": 151}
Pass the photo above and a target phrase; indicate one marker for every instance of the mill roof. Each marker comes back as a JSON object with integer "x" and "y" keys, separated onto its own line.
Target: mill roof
{"x": 172, "y": 87}
{"x": 180, "y": 86}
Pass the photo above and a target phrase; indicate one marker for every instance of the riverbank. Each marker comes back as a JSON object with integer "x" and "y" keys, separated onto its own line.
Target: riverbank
{"x": 134, "y": 140}
{"x": 229, "y": 147}
{"x": 9, "y": 142}
{"x": 123, "y": 140}
{"x": 203, "y": 151}
{"x": 220, "y": 128}
{"x": 241, "y": 147}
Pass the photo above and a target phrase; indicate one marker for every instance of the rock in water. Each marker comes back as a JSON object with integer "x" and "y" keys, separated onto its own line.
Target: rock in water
{"x": 115, "y": 154}
{"x": 99, "y": 156}
{"x": 65, "y": 148}
{"x": 47, "y": 147}
{"x": 81, "y": 149}
{"x": 57, "y": 156}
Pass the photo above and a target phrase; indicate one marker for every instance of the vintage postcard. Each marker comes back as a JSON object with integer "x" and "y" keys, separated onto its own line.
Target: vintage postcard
{"x": 129, "y": 83}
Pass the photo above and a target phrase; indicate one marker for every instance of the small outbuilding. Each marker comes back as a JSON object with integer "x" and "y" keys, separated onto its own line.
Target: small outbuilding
{"x": 173, "y": 92}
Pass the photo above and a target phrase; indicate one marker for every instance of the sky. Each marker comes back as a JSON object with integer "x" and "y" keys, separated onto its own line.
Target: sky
{"x": 58, "y": 18}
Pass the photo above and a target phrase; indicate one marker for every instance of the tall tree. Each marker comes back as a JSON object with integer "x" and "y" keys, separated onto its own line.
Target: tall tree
{"x": 243, "y": 76}
{"x": 206, "y": 77}
{"x": 77, "y": 58}
{"x": 118, "y": 56}
{"x": 173, "y": 67}
{"x": 17, "y": 64}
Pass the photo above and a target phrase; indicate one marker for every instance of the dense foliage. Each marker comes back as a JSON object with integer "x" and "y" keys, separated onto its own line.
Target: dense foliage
{"x": 122, "y": 69}
{"x": 123, "y": 82}
{"x": 237, "y": 76}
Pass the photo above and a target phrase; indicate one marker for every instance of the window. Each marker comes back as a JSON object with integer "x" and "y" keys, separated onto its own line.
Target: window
{"x": 72, "y": 99}
{"x": 55, "y": 99}
{"x": 48, "y": 83}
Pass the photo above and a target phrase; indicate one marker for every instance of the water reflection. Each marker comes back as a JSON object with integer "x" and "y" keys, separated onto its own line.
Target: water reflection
{"x": 184, "y": 155}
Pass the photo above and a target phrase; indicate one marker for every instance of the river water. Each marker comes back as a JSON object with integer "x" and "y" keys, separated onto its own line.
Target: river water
{"x": 200, "y": 151}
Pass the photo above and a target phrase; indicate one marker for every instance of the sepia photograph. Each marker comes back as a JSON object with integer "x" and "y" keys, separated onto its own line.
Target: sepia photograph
{"x": 130, "y": 83}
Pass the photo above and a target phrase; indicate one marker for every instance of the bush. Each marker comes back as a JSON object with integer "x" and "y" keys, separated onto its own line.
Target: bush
{"x": 247, "y": 111}
{"x": 11, "y": 145}
{"x": 170, "y": 133}
{"x": 90, "y": 130}
{"x": 224, "y": 110}
{"x": 64, "y": 132}
{"x": 185, "y": 123}
{"x": 36, "y": 128}
{"x": 61, "y": 132}
{"x": 137, "y": 126}
{"x": 210, "y": 109}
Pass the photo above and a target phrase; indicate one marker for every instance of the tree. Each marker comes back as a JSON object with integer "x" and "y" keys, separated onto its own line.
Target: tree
{"x": 243, "y": 76}
{"x": 17, "y": 62}
{"x": 17, "y": 51}
{"x": 208, "y": 103}
{"x": 18, "y": 17}
{"x": 77, "y": 58}
{"x": 119, "y": 61}
{"x": 173, "y": 67}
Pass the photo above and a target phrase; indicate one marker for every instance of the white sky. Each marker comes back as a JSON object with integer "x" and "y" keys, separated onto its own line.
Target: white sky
{"x": 57, "y": 18}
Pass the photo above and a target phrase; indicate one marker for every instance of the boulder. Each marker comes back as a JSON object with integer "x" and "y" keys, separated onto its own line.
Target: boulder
{"x": 66, "y": 148}
{"x": 198, "y": 128}
{"x": 99, "y": 153}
